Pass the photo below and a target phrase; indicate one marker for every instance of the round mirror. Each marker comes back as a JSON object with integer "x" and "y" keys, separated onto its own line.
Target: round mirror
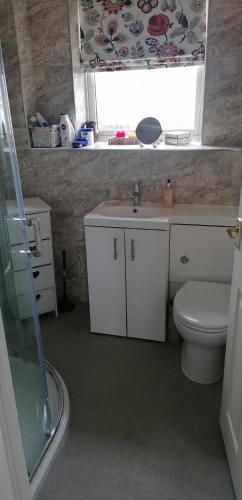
{"x": 149, "y": 131}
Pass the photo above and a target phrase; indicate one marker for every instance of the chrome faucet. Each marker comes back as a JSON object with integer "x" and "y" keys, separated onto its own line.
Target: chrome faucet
{"x": 136, "y": 194}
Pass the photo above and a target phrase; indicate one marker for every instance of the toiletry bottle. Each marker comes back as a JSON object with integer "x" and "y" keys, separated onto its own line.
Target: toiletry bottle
{"x": 67, "y": 131}
{"x": 33, "y": 121}
{"x": 41, "y": 120}
{"x": 88, "y": 133}
{"x": 168, "y": 196}
{"x": 90, "y": 136}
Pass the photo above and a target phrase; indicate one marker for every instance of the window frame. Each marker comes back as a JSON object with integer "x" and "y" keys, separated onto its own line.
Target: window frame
{"x": 91, "y": 105}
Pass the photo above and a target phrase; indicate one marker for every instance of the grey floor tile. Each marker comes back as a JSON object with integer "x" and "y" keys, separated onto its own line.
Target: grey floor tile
{"x": 140, "y": 430}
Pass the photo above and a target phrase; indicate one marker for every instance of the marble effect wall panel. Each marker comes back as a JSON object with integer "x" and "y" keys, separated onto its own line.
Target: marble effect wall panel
{"x": 57, "y": 72}
{"x": 222, "y": 117}
{"x": 12, "y": 69}
{"x": 49, "y": 24}
{"x": 74, "y": 182}
{"x": 78, "y": 75}
{"x": 24, "y": 45}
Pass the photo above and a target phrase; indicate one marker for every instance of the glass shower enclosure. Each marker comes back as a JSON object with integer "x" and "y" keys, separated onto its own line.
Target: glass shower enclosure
{"x": 17, "y": 299}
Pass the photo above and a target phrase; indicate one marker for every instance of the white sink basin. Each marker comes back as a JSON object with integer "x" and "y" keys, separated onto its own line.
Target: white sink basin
{"x": 154, "y": 216}
{"x": 128, "y": 211}
{"x": 111, "y": 214}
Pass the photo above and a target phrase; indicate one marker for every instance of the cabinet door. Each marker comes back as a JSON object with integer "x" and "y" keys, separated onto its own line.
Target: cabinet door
{"x": 106, "y": 279}
{"x": 147, "y": 280}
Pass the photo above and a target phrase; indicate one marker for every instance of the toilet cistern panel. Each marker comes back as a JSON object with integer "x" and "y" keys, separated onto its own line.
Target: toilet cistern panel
{"x": 201, "y": 253}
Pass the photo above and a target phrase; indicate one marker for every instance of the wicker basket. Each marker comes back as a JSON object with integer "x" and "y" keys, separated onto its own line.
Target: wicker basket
{"x": 45, "y": 137}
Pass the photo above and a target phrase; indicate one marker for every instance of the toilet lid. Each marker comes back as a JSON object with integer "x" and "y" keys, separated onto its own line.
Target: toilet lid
{"x": 203, "y": 305}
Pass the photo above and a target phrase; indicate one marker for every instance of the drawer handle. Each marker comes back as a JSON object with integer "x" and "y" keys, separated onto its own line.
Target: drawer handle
{"x": 33, "y": 251}
{"x": 184, "y": 259}
{"x": 132, "y": 250}
{"x": 35, "y": 274}
{"x": 38, "y": 296}
{"x": 35, "y": 223}
{"x": 115, "y": 248}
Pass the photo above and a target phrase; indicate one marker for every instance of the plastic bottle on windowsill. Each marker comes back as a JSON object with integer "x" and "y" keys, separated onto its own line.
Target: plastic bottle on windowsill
{"x": 67, "y": 131}
{"x": 41, "y": 120}
{"x": 33, "y": 121}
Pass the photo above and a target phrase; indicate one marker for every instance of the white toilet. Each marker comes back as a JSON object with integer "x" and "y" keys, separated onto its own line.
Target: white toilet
{"x": 201, "y": 313}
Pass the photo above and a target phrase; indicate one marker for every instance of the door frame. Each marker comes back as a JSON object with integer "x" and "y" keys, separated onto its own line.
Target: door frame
{"x": 13, "y": 472}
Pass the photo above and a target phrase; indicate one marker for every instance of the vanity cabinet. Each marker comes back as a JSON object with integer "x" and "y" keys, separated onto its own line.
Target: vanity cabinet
{"x": 127, "y": 280}
{"x": 130, "y": 250}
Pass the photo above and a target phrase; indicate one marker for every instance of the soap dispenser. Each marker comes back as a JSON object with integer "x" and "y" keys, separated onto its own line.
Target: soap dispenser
{"x": 168, "y": 196}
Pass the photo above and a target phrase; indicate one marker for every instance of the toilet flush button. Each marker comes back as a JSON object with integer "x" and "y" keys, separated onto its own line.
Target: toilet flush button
{"x": 184, "y": 259}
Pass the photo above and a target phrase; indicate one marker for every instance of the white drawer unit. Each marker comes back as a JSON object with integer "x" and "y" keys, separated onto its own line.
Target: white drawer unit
{"x": 41, "y": 248}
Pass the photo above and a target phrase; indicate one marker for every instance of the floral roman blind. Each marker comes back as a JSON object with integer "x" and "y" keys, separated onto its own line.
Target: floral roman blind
{"x": 123, "y": 34}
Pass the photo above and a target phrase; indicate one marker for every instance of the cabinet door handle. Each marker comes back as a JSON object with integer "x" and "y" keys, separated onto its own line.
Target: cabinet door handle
{"x": 115, "y": 248}
{"x": 132, "y": 250}
{"x": 35, "y": 274}
{"x": 184, "y": 259}
{"x": 38, "y": 296}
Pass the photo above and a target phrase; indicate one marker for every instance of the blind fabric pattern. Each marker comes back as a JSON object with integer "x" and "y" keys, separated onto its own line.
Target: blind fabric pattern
{"x": 123, "y": 34}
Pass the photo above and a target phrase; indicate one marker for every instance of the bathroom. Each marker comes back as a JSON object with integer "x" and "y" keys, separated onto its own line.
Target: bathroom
{"x": 133, "y": 425}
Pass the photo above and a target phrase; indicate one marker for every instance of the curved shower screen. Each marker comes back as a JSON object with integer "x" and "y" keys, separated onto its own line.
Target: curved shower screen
{"x": 17, "y": 298}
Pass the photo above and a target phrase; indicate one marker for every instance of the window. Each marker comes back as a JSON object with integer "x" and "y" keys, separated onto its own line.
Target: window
{"x": 118, "y": 100}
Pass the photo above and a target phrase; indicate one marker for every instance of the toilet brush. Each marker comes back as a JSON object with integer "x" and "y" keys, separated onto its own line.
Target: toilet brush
{"x": 65, "y": 305}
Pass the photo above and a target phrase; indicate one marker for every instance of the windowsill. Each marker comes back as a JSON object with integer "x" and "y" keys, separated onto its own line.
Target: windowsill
{"x": 104, "y": 146}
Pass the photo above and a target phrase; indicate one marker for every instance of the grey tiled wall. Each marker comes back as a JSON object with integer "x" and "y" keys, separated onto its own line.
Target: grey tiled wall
{"x": 222, "y": 120}
{"x": 74, "y": 182}
{"x": 51, "y": 49}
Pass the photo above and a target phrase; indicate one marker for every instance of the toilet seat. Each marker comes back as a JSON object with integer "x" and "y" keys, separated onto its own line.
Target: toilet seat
{"x": 200, "y": 337}
{"x": 201, "y": 315}
{"x": 201, "y": 329}
{"x": 203, "y": 307}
